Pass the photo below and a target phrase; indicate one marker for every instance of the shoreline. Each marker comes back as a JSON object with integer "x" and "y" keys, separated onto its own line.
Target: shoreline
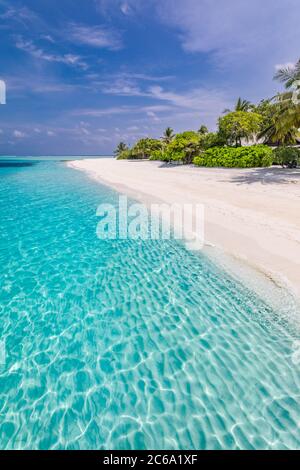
{"x": 251, "y": 220}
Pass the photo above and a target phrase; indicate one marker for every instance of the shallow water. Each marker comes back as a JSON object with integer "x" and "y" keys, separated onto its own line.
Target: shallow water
{"x": 128, "y": 344}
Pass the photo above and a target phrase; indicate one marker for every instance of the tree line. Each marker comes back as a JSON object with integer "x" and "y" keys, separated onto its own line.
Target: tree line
{"x": 272, "y": 122}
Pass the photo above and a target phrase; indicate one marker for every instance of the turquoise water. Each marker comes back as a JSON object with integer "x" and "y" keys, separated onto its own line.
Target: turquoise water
{"x": 128, "y": 344}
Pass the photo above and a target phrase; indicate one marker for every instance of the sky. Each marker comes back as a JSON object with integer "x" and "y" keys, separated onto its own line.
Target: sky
{"x": 83, "y": 75}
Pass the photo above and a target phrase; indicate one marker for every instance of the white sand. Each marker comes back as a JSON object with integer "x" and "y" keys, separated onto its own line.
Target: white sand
{"x": 252, "y": 215}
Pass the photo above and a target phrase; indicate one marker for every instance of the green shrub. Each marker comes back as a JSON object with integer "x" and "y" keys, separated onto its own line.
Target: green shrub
{"x": 212, "y": 139}
{"x": 240, "y": 157}
{"x": 160, "y": 155}
{"x": 287, "y": 156}
{"x": 124, "y": 155}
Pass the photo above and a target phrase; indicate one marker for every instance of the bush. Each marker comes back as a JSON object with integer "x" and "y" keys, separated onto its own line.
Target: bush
{"x": 240, "y": 157}
{"x": 160, "y": 155}
{"x": 287, "y": 156}
{"x": 212, "y": 139}
{"x": 124, "y": 155}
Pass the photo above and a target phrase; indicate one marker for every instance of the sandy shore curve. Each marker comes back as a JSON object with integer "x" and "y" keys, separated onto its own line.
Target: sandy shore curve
{"x": 252, "y": 215}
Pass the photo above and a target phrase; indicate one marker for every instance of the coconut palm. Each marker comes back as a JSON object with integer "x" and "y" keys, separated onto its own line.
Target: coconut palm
{"x": 286, "y": 121}
{"x": 288, "y": 75}
{"x": 241, "y": 105}
{"x": 120, "y": 149}
{"x": 168, "y": 136}
{"x": 203, "y": 130}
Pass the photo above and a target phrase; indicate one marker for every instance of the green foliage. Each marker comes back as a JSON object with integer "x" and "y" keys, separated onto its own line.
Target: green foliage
{"x": 239, "y": 157}
{"x": 287, "y": 156}
{"x": 212, "y": 139}
{"x": 122, "y": 147}
{"x": 241, "y": 105}
{"x": 160, "y": 155}
{"x": 284, "y": 127}
{"x": 168, "y": 136}
{"x": 267, "y": 111}
{"x": 125, "y": 155}
{"x": 184, "y": 147}
{"x": 239, "y": 125}
{"x": 144, "y": 148}
{"x": 203, "y": 130}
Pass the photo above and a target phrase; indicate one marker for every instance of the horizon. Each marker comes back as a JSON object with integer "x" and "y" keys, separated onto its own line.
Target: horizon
{"x": 81, "y": 77}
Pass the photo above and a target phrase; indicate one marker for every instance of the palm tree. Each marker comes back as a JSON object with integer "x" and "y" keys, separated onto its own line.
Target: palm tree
{"x": 120, "y": 149}
{"x": 241, "y": 105}
{"x": 203, "y": 130}
{"x": 286, "y": 121}
{"x": 288, "y": 75}
{"x": 168, "y": 135}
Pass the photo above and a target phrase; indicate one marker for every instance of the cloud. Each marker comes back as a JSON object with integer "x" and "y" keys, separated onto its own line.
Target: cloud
{"x": 125, "y": 83}
{"x": 235, "y": 30}
{"x": 95, "y": 36}
{"x": 125, "y": 8}
{"x": 38, "y": 53}
{"x": 123, "y": 87}
{"x": 19, "y": 134}
{"x": 118, "y": 110}
{"x": 96, "y": 112}
{"x": 200, "y": 99}
{"x": 48, "y": 37}
{"x": 23, "y": 15}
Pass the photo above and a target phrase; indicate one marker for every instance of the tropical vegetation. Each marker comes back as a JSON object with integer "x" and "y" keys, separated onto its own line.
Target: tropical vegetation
{"x": 245, "y": 136}
{"x": 236, "y": 157}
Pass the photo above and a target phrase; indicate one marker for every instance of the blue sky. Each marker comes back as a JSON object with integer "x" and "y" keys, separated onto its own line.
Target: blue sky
{"x": 83, "y": 75}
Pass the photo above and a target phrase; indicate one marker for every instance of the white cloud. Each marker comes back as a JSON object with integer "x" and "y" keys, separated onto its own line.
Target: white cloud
{"x": 125, "y": 8}
{"x": 37, "y": 52}
{"x": 96, "y": 36}
{"x": 48, "y": 37}
{"x": 236, "y": 31}
{"x": 19, "y": 134}
{"x": 50, "y": 133}
{"x": 22, "y": 15}
{"x": 118, "y": 110}
{"x": 96, "y": 112}
{"x": 122, "y": 87}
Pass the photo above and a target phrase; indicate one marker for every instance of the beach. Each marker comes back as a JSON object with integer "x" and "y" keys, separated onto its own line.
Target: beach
{"x": 251, "y": 215}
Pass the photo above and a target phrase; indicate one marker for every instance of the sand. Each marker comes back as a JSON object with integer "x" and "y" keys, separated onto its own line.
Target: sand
{"x": 251, "y": 215}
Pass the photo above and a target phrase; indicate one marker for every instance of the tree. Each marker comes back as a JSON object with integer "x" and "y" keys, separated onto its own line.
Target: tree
{"x": 241, "y": 105}
{"x": 145, "y": 147}
{"x": 276, "y": 125}
{"x": 184, "y": 147}
{"x": 288, "y": 75}
{"x": 168, "y": 136}
{"x": 212, "y": 139}
{"x": 203, "y": 130}
{"x": 122, "y": 147}
{"x": 239, "y": 125}
{"x": 285, "y": 128}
